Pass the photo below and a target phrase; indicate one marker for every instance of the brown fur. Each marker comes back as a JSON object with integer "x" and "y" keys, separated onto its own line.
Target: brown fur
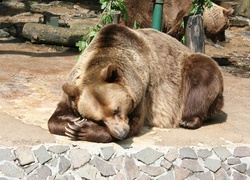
{"x": 129, "y": 78}
{"x": 216, "y": 20}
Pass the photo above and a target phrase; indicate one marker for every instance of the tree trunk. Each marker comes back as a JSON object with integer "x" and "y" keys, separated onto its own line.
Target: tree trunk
{"x": 194, "y": 33}
{"x": 47, "y": 34}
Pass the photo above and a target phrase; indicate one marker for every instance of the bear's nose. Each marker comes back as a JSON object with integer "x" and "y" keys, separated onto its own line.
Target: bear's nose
{"x": 123, "y": 134}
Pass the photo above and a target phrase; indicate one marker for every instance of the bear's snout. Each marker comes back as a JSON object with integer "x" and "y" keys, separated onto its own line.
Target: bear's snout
{"x": 117, "y": 127}
{"x": 120, "y": 133}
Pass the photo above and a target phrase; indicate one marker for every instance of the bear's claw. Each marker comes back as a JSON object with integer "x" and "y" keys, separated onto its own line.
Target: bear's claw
{"x": 79, "y": 122}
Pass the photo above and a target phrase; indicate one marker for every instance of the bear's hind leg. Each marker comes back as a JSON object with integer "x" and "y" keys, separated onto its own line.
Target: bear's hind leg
{"x": 204, "y": 88}
{"x": 191, "y": 123}
{"x": 194, "y": 119}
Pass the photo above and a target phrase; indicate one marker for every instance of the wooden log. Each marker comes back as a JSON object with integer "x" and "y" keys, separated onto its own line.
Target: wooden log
{"x": 47, "y": 34}
{"x": 194, "y": 33}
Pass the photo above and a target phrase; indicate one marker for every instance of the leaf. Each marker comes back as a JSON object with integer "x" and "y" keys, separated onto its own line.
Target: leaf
{"x": 107, "y": 18}
{"x": 93, "y": 33}
{"x": 104, "y": 5}
{"x": 135, "y": 25}
{"x": 81, "y": 45}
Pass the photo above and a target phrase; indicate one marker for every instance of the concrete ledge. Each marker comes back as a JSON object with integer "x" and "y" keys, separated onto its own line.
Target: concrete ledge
{"x": 111, "y": 161}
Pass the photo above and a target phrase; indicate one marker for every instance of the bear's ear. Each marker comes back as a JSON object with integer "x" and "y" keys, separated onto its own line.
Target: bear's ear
{"x": 228, "y": 12}
{"x": 110, "y": 73}
{"x": 71, "y": 90}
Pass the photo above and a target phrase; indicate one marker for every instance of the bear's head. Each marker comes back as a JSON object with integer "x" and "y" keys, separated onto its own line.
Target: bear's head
{"x": 102, "y": 98}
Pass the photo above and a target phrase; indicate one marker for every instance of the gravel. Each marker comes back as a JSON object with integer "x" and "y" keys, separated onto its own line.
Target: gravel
{"x": 50, "y": 161}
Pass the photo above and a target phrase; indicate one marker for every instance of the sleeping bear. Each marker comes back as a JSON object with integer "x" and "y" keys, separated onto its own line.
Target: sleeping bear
{"x": 129, "y": 78}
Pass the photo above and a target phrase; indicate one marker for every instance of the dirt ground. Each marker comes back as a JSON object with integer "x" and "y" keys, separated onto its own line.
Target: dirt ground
{"x": 31, "y": 76}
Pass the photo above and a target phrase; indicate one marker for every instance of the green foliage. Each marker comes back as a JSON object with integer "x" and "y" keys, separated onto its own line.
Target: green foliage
{"x": 108, "y": 7}
{"x": 135, "y": 25}
{"x": 198, "y": 6}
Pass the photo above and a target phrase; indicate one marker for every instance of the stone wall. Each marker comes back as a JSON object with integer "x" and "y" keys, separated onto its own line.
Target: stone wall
{"x": 71, "y": 162}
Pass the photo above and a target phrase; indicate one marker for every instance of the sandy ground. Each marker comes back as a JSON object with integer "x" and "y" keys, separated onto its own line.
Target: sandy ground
{"x": 31, "y": 77}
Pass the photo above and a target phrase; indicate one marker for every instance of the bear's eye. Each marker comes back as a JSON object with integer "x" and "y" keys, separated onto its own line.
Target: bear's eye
{"x": 117, "y": 111}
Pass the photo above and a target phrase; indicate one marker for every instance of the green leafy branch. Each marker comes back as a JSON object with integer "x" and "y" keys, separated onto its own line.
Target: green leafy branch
{"x": 108, "y": 7}
{"x": 198, "y": 7}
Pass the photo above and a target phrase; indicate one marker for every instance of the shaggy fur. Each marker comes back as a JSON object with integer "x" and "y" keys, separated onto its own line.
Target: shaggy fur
{"x": 216, "y": 20}
{"x": 129, "y": 78}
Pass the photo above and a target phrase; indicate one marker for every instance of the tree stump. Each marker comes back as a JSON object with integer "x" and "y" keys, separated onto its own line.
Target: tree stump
{"x": 47, "y": 34}
{"x": 194, "y": 33}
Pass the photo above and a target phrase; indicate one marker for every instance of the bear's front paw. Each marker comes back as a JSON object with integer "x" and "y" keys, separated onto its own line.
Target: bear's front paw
{"x": 191, "y": 123}
{"x": 85, "y": 130}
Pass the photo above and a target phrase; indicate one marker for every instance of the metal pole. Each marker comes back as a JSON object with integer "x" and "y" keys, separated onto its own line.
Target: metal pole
{"x": 157, "y": 14}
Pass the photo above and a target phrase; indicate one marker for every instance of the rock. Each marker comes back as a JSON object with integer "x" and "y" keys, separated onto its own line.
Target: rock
{"x": 187, "y": 153}
{"x": 79, "y": 157}
{"x": 64, "y": 165}
{"x": 204, "y": 153}
{"x": 222, "y": 152}
{"x": 144, "y": 177}
{"x": 3, "y": 33}
{"x": 222, "y": 61}
{"x": 120, "y": 176}
{"x": 117, "y": 162}
{"x": 131, "y": 169}
{"x": 24, "y": 155}
{"x": 148, "y": 155}
{"x": 58, "y": 149}
{"x": 6, "y": 155}
{"x": 213, "y": 164}
{"x": 107, "y": 152}
{"x": 239, "y": 176}
{"x": 88, "y": 171}
{"x": 221, "y": 174}
{"x": 241, "y": 167}
{"x": 171, "y": 155}
{"x": 62, "y": 177}
{"x": 233, "y": 161}
{"x": 181, "y": 173}
{"x": 246, "y": 33}
{"x": 169, "y": 175}
{"x": 30, "y": 168}
{"x": 42, "y": 155}
{"x": 204, "y": 175}
{"x": 246, "y": 38}
{"x": 248, "y": 171}
{"x": 218, "y": 46}
{"x": 225, "y": 166}
{"x": 10, "y": 169}
{"x": 229, "y": 35}
{"x": 105, "y": 168}
{"x": 229, "y": 172}
{"x": 152, "y": 170}
{"x": 54, "y": 162}
{"x": 244, "y": 7}
{"x": 238, "y": 22}
{"x": 192, "y": 165}
{"x": 242, "y": 151}
{"x": 43, "y": 172}
{"x": 32, "y": 177}
{"x": 166, "y": 164}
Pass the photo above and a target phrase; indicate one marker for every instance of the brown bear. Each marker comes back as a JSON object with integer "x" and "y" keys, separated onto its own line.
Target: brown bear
{"x": 129, "y": 78}
{"x": 215, "y": 19}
